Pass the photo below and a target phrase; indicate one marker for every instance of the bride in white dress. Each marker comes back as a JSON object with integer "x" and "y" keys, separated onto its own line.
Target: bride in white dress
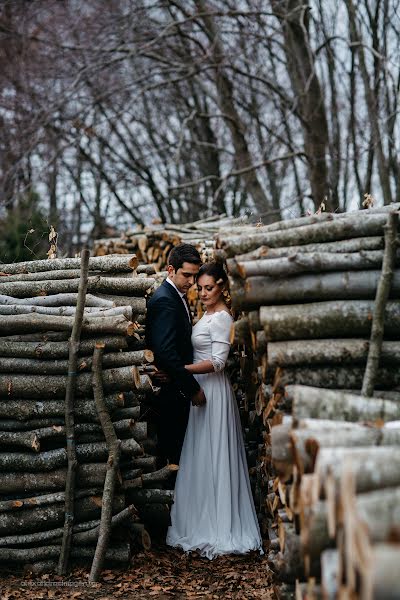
{"x": 213, "y": 511}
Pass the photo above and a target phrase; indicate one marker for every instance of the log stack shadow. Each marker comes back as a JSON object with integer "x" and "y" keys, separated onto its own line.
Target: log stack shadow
{"x": 306, "y": 292}
{"x": 37, "y": 307}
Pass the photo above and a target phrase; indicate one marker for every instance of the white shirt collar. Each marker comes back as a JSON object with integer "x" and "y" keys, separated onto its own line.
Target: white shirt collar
{"x": 174, "y": 286}
{"x": 181, "y": 295}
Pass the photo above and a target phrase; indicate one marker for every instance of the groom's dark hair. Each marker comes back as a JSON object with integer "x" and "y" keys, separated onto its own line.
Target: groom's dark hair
{"x": 183, "y": 253}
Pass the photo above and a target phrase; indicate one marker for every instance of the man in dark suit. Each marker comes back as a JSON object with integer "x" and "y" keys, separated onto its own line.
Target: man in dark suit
{"x": 168, "y": 334}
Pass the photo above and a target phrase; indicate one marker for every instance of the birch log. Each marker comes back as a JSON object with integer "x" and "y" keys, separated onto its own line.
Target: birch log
{"x": 52, "y": 516}
{"x": 342, "y": 377}
{"x": 34, "y": 386}
{"x": 10, "y": 325}
{"x": 326, "y": 319}
{"x": 110, "y": 263}
{"x": 306, "y": 262}
{"x": 373, "y": 468}
{"x": 360, "y": 244}
{"x": 340, "y": 406}
{"x": 330, "y": 231}
{"x": 341, "y": 285}
{"x": 137, "y": 286}
{"x": 327, "y": 351}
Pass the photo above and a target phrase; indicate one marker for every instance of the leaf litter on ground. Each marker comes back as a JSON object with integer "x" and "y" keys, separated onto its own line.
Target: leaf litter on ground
{"x": 162, "y": 573}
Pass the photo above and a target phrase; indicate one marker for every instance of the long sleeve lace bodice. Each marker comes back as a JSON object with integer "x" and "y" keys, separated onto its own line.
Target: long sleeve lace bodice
{"x": 211, "y": 339}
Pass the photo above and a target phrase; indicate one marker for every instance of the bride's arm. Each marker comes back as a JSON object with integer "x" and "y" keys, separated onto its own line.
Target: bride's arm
{"x": 204, "y": 366}
{"x": 220, "y": 351}
{"x": 220, "y": 346}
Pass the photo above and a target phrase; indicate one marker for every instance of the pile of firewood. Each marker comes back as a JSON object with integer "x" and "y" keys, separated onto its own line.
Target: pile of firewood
{"x": 38, "y": 304}
{"x": 308, "y": 292}
{"x": 338, "y": 460}
{"x": 152, "y": 244}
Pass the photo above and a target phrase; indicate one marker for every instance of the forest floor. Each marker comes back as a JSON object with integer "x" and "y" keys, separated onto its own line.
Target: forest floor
{"x": 160, "y": 574}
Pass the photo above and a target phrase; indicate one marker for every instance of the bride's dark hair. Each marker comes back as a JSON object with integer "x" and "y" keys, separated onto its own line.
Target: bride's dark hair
{"x": 217, "y": 271}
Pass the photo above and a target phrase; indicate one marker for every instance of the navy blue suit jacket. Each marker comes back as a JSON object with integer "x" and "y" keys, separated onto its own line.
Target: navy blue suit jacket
{"x": 168, "y": 335}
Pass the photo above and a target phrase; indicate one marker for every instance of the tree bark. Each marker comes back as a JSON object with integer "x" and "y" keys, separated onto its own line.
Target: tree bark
{"x": 309, "y": 402}
{"x": 300, "y": 63}
{"x": 360, "y": 244}
{"x": 52, "y": 516}
{"x": 66, "y": 311}
{"x": 333, "y": 351}
{"x": 373, "y": 468}
{"x": 57, "y": 350}
{"x": 303, "y": 262}
{"x": 329, "y": 231}
{"x": 234, "y": 123}
{"x": 374, "y": 118}
{"x": 114, "y": 450}
{"x": 54, "y": 479}
{"x": 110, "y": 263}
{"x": 34, "y": 386}
{"x": 57, "y": 300}
{"x": 137, "y": 286}
{"x": 326, "y": 319}
{"x": 10, "y": 325}
{"x": 382, "y": 295}
{"x": 84, "y": 408}
{"x": 344, "y": 377}
{"x": 120, "y": 553}
{"x": 54, "y": 367}
{"x": 343, "y": 285}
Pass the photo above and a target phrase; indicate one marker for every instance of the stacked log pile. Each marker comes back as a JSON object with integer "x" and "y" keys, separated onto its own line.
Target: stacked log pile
{"x": 340, "y": 453}
{"x": 152, "y": 244}
{"x": 307, "y": 290}
{"x": 37, "y": 307}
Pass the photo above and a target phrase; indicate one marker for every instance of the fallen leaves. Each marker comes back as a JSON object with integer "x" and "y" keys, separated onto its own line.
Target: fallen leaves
{"x": 161, "y": 573}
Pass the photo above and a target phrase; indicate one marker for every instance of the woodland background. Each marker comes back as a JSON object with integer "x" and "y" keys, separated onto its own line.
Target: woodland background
{"x": 114, "y": 113}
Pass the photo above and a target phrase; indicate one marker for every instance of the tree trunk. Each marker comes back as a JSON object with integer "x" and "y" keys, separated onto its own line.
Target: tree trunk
{"x": 294, "y": 19}
{"x": 53, "y": 386}
{"x": 344, "y": 378}
{"x": 137, "y": 286}
{"x": 84, "y": 408}
{"x": 54, "y": 479}
{"x": 382, "y": 295}
{"x": 54, "y": 367}
{"x": 9, "y": 325}
{"x": 57, "y": 300}
{"x": 126, "y": 262}
{"x": 309, "y": 402}
{"x": 346, "y": 285}
{"x": 57, "y": 350}
{"x": 52, "y": 516}
{"x": 360, "y": 244}
{"x": 326, "y": 319}
{"x": 373, "y": 468}
{"x": 303, "y": 262}
{"x": 333, "y": 351}
{"x": 329, "y": 231}
{"x": 114, "y": 451}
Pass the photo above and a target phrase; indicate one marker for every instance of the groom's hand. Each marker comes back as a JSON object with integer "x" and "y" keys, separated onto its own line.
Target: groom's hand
{"x": 199, "y": 398}
{"x": 159, "y": 377}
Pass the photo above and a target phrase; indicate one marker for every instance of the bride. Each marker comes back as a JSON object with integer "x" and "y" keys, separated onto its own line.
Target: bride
{"x": 213, "y": 511}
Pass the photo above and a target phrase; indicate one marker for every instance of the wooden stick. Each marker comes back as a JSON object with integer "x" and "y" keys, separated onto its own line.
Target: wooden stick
{"x": 69, "y": 416}
{"x": 382, "y": 295}
{"x": 113, "y": 446}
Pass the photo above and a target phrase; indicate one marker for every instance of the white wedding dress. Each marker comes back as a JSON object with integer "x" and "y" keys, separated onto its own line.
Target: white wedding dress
{"x": 213, "y": 511}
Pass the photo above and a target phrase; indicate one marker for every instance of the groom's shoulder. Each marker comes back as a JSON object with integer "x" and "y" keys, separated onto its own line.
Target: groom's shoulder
{"x": 161, "y": 294}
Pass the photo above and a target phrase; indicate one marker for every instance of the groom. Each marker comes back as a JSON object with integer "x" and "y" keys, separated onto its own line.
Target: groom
{"x": 168, "y": 334}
